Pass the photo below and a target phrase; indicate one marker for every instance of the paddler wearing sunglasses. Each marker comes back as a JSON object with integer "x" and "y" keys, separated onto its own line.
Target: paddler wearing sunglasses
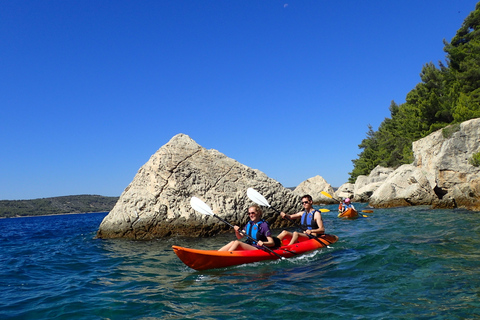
{"x": 257, "y": 229}
{"x": 311, "y": 221}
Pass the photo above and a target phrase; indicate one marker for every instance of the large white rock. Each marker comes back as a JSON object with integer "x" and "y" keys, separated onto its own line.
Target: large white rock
{"x": 313, "y": 186}
{"x": 346, "y": 190}
{"x": 157, "y": 201}
{"x": 406, "y": 186}
{"x": 444, "y": 157}
{"x": 366, "y": 185}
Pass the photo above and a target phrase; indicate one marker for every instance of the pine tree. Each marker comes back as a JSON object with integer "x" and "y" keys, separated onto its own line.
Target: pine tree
{"x": 447, "y": 94}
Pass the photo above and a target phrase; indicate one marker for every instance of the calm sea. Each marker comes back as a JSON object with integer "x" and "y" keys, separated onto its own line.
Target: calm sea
{"x": 403, "y": 263}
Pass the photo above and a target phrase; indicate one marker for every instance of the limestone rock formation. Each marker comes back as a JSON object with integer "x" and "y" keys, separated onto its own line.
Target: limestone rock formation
{"x": 407, "y": 186}
{"x": 346, "y": 190}
{"x": 313, "y": 187}
{"x": 441, "y": 175}
{"x": 444, "y": 157}
{"x": 366, "y": 185}
{"x": 157, "y": 202}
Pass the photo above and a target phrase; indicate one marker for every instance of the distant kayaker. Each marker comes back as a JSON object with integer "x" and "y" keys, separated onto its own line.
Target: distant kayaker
{"x": 257, "y": 229}
{"x": 311, "y": 221}
{"x": 340, "y": 206}
{"x": 347, "y": 204}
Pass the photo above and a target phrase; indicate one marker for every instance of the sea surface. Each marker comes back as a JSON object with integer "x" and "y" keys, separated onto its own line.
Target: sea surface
{"x": 402, "y": 263}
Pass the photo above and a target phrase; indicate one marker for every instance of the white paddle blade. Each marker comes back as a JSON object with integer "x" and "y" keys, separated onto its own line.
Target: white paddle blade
{"x": 200, "y": 206}
{"x": 256, "y": 197}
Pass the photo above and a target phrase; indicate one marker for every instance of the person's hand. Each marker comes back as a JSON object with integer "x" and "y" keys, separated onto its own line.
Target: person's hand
{"x": 308, "y": 231}
{"x": 260, "y": 243}
{"x": 237, "y": 228}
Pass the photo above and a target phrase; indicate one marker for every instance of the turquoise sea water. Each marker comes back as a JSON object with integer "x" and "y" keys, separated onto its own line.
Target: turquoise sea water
{"x": 402, "y": 263}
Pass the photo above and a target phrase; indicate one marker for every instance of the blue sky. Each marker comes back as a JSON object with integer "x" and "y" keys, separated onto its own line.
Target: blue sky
{"x": 91, "y": 89}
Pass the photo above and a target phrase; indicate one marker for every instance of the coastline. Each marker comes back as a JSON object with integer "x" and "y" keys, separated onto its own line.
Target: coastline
{"x": 53, "y": 214}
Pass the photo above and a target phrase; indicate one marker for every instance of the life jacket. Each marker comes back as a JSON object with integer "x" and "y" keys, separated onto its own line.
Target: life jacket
{"x": 252, "y": 230}
{"x": 308, "y": 221}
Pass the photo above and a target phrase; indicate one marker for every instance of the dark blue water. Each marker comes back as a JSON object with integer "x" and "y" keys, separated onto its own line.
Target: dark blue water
{"x": 404, "y": 263}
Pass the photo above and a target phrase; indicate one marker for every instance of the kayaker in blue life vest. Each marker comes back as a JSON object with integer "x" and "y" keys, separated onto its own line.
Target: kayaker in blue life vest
{"x": 311, "y": 221}
{"x": 257, "y": 229}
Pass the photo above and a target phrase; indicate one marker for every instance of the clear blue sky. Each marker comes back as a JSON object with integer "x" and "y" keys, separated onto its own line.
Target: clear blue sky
{"x": 91, "y": 89}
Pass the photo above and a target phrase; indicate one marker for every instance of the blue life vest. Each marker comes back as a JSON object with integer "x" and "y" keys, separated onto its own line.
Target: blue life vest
{"x": 252, "y": 230}
{"x": 308, "y": 220}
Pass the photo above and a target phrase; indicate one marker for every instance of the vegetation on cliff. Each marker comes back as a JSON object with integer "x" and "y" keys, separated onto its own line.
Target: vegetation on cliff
{"x": 446, "y": 95}
{"x": 56, "y": 205}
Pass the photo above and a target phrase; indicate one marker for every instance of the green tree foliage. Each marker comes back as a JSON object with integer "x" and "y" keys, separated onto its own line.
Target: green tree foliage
{"x": 467, "y": 106}
{"x": 446, "y": 95}
{"x": 368, "y": 157}
{"x": 464, "y": 65}
{"x": 475, "y": 159}
{"x": 464, "y": 53}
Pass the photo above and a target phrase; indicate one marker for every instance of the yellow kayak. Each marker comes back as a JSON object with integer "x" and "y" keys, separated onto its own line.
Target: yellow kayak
{"x": 350, "y": 213}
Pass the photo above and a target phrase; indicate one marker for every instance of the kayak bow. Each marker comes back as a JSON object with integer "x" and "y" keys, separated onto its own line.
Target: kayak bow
{"x": 349, "y": 214}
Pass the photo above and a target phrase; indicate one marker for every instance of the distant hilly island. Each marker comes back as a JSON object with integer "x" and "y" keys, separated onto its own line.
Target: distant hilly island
{"x": 56, "y": 205}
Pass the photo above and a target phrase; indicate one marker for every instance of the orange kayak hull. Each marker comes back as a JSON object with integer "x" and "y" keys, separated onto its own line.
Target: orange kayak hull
{"x": 349, "y": 214}
{"x": 211, "y": 259}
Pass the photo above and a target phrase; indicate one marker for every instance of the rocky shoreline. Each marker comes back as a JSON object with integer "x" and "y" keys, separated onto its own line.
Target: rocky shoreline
{"x": 53, "y": 214}
{"x": 442, "y": 174}
{"x": 156, "y": 203}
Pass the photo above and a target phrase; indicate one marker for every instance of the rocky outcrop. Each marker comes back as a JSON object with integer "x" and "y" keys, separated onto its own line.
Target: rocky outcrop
{"x": 406, "y": 186}
{"x": 441, "y": 174}
{"x": 366, "y": 185}
{"x": 157, "y": 202}
{"x": 346, "y": 190}
{"x": 313, "y": 187}
{"x": 444, "y": 157}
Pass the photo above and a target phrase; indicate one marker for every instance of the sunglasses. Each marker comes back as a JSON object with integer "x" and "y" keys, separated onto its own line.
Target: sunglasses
{"x": 305, "y": 202}
{"x": 252, "y": 213}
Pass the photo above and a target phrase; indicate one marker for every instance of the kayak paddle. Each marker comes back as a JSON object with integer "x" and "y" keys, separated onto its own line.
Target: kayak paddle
{"x": 326, "y": 194}
{"x": 329, "y": 196}
{"x": 256, "y": 197}
{"x": 203, "y": 208}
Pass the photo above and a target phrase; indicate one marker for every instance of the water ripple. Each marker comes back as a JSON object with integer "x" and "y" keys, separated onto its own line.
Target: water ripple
{"x": 402, "y": 263}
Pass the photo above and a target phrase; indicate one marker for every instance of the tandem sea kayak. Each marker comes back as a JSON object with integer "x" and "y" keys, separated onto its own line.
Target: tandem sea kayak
{"x": 212, "y": 259}
{"x": 350, "y": 213}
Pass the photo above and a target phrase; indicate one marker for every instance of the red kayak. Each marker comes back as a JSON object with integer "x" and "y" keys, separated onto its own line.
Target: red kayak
{"x": 211, "y": 259}
{"x": 350, "y": 213}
